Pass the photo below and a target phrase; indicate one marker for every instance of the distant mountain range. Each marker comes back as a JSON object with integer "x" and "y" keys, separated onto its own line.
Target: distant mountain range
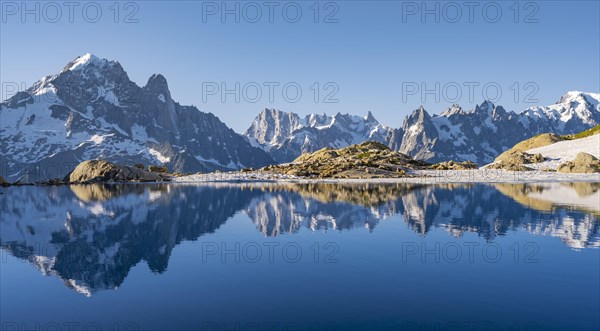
{"x": 477, "y": 135}
{"x": 91, "y": 109}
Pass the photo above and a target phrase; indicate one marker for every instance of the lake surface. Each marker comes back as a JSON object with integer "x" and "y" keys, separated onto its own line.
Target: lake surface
{"x": 301, "y": 257}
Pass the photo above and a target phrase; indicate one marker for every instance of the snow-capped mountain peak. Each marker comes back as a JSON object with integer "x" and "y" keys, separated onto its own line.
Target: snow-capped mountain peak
{"x": 452, "y": 110}
{"x": 580, "y": 97}
{"x": 92, "y": 110}
{"x": 85, "y": 60}
{"x": 575, "y": 111}
{"x": 485, "y": 108}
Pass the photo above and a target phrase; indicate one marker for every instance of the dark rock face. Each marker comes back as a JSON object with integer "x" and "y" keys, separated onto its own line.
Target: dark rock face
{"x": 419, "y": 135}
{"x": 92, "y": 110}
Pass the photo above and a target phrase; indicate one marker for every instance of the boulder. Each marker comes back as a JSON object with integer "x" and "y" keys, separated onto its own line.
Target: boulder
{"x": 541, "y": 140}
{"x": 365, "y": 160}
{"x": 96, "y": 171}
{"x": 158, "y": 169}
{"x": 509, "y": 166}
{"x": 516, "y": 160}
{"x": 519, "y": 157}
{"x": 451, "y": 165}
{"x": 583, "y": 163}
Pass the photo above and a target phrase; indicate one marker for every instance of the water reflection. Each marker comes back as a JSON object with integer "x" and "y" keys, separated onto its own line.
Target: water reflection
{"x": 90, "y": 236}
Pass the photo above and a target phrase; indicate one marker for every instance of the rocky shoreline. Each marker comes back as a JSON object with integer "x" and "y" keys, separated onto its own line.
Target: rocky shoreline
{"x": 368, "y": 161}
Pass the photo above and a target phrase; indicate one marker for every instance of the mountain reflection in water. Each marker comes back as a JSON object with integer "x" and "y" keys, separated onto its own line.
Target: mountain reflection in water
{"x": 90, "y": 236}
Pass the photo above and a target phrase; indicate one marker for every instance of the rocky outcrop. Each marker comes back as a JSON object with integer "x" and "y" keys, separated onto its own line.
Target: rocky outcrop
{"x": 285, "y": 135}
{"x": 541, "y": 140}
{"x": 516, "y": 160}
{"x": 519, "y": 157}
{"x": 366, "y": 160}
{"x": 509, "y": 167}
{"x": 583, "y": 163}
{"x": 419, "y": 135}
{"x": 451, "y": 165}
{"x": 96, "y": 171}
{"x": 158, "y": 169}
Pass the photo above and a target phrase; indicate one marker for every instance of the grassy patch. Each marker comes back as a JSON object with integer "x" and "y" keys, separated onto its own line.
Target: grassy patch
{"x": 584, "y": 134}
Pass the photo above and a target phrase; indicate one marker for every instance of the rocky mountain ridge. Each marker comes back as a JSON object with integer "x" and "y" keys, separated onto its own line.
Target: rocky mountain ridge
{"x": 478, "y": 135}
{"x": 92, "y": 110}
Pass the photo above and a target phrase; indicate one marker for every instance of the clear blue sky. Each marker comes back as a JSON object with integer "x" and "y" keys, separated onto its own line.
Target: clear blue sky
{"x": 375, "y": 51}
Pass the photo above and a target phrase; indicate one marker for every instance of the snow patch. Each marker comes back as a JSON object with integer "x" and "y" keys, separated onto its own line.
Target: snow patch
{"x": 160, "y": 157}
{"x": 97, "y": 139}
{"x": 567, "y": 150}
{"x": 84, "y": 60}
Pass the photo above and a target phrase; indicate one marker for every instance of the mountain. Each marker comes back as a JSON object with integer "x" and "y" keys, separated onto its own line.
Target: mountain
{"x": 285, "y": 135}
{"x": 481, "y": 134}
{"x": 573, "y": 112}
{"x": 477, "y": 135}
{"x": 91, "y": 109}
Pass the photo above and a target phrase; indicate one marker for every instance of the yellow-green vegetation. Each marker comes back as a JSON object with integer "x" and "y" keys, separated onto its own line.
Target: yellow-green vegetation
{"x": 583, "y": 163}
{"x": 366, "y": 160}
{"x": 583, "y": 134}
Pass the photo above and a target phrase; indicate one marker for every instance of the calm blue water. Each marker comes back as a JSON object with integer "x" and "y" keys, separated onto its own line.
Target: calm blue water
{"x": 300, "y": 257}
